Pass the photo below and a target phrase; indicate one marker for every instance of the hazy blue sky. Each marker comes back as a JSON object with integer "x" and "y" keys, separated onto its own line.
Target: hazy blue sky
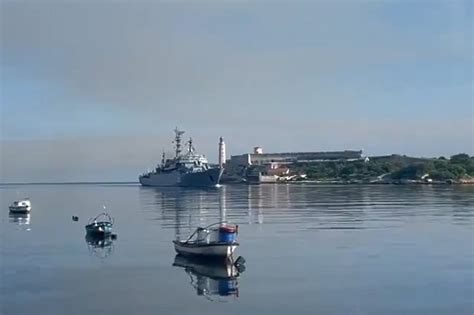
{"x": 91, "y": 90}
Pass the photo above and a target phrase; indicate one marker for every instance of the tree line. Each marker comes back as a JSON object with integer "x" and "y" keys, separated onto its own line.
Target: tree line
{"x": 395, "y": 167}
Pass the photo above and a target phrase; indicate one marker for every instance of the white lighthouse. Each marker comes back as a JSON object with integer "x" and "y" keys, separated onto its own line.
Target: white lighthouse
{"x": 221, "y": 152}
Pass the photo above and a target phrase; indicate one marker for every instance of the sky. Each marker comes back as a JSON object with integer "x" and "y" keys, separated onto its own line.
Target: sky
{"x": 92, "y": 90}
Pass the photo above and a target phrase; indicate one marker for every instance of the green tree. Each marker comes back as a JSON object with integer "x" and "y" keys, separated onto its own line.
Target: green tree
{"x": 461, "y": 158}
{"x": 442, "y": 174}
{"x": 465, "y": 161}
{"x": 414, "y": 171}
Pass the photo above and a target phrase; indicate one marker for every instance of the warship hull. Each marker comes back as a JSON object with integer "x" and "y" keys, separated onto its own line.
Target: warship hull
{"x": 210, "y": 177}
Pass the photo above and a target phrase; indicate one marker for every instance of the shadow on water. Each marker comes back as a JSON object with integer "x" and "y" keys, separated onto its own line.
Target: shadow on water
{"x": 214, "y": 280}
{"x": 100, "y": 246}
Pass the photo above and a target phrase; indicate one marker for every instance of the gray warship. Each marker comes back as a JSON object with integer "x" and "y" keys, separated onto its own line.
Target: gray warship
{"x": 187, "y": 169}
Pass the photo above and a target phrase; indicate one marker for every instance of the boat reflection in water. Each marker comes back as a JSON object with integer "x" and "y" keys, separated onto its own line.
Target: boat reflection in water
{"x": 100, "y": 246}
{"x": 211, "y": 278}
{"x": 19, "y": 218}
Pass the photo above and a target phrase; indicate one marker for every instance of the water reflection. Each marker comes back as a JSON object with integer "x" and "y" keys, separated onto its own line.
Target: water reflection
{"x": 100, "y": 247}
{"x": 325, "y": 207}
{"x": 216, "y": 281}
{"x": 255, "y": 204}
{"x": 19, "y": 218}
{"x": 183, "y": 209}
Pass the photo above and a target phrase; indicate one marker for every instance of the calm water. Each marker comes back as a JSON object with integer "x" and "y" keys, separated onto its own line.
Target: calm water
{"x": 309, "y": 249}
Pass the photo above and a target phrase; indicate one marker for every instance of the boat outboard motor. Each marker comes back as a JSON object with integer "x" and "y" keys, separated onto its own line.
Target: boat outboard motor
{"x": 240, "y": 264}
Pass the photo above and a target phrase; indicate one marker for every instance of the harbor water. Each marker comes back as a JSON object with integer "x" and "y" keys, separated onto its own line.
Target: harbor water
{"x": 309, "y": 249}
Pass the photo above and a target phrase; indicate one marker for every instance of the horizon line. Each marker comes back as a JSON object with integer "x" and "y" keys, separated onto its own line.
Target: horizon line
{"x": 72, "y": 183}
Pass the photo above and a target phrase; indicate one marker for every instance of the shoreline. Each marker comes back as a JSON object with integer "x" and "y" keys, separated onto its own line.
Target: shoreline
{"x": 344, "y": 182}
{"x": 318, "y": 182}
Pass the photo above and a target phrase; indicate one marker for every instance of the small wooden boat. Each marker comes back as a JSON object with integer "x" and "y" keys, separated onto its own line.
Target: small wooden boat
{"x": 20, "y": 206}
{"x": 101, "y": 225}
{"x": 218, "y": 240}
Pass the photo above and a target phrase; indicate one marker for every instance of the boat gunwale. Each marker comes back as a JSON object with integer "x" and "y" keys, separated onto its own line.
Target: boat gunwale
{"x": 20, "y": 211}
{"x": 98, "y": 224}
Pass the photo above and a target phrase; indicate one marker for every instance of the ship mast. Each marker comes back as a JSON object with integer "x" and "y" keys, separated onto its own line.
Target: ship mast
{"x": 190, "y": 145}
{"x": 163, "y": 158}
{"x": 177, "y": 140}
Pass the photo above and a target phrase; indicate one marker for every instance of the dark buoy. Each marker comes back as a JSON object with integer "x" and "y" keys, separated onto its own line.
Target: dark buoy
{"x": 113, "y": 236}
{"x": 74, "y": 218}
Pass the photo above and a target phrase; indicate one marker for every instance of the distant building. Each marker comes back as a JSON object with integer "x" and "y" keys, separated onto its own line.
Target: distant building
{"x": 260, "y": 158}
{"x": 258, "y": 150}
{"x": 273, "y": 167}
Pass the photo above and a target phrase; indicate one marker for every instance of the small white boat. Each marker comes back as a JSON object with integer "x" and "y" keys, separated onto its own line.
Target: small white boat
{"x": 20, "y": 206}
{"x": 218, "y": 240}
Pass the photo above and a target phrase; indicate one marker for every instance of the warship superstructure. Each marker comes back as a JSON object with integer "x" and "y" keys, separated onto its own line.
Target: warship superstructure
{"x": 185, "y": 169}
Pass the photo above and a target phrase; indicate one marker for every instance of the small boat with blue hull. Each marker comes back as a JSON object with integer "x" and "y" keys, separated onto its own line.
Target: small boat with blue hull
{"x": 216, "y": 241}
{"x": 101, "y": 225}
